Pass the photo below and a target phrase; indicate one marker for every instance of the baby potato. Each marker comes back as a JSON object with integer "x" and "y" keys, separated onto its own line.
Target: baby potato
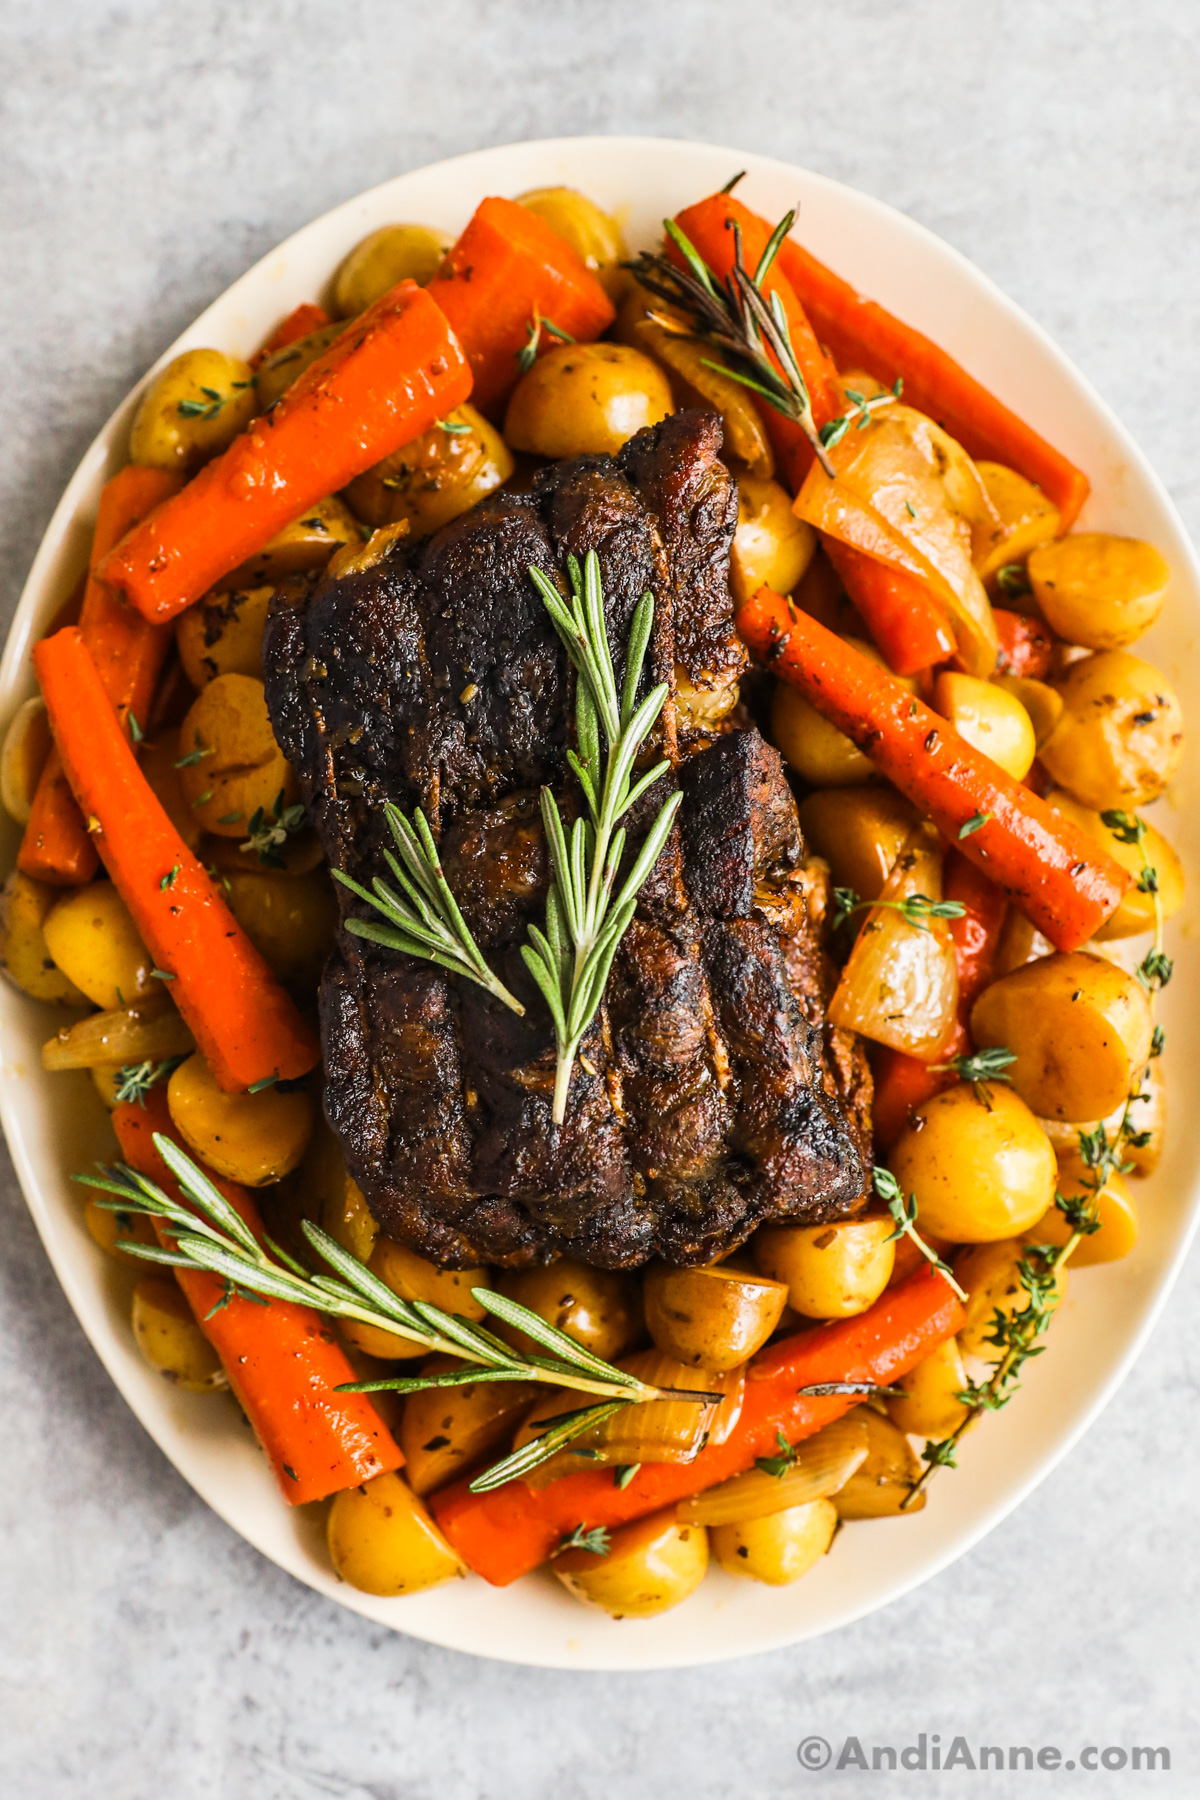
{"x": 446, "y": 1431}
{"x": 1114, "y": 1207}
{"x": 384, "y": 257}
{"x": 251, "y": 1138}
{"x": 1135, "y": 914}
{"x": 1027, "y": 519}
{"x": 825, "y": 756}
{"x": 711, "y": 1318}
{"x": 306, "y": 544}
{"x": 170, "y": 1339}
{"x": 382, "y": 1541}
{"x": 771, "y": 546}
{"x": 1147, "y": 1121}
{"x": 694, "y": 381}
{"x": 1099, "y": 590}
{"x": 930, "y": 1406}
{"x": 329, "y": 1195}
{"x": 859, "y": 831}
{"x": 593, "y": 235}
{"x": 1043, "y": 703}
{"x": 979, "y": 1164}
{"x": 879, "y": 1486}
{"x": 586, "y": 398}
{"x": 192, "y": 410}
{"x": 106, "y": 1079}
{"x": 1080, "y": 1029}
{"x": 290, "y": 919}
{"x": 23, "y": 757}
{"x": 158, "y": 760}
{"x": 111, "y": 1230}
{"x": 1119, "y": 742}
{"x": 246, "y": 769}
{"x": 989, "y": 718}
{"x": 991, "y": 1275}
{"x": 600, "y": 1308}
{"x": 23, "y": 949}
{"x": 831, "y": 1271}
{"x": 777, "y": 1549}
{"x": 278, "y": 371}
{"x": 436, "y": 477}
{"x": 414, "y": 1278}
{"x": 222, "y": 635}
{"x": 648, "y": 1567}
{"x": 95, "y": 943}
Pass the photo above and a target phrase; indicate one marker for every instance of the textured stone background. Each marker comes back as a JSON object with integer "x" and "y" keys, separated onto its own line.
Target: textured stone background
{"x": 150, "y": 152}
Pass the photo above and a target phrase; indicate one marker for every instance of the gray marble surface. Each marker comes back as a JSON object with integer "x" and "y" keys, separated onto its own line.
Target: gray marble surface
{"x": 149, "y": 153}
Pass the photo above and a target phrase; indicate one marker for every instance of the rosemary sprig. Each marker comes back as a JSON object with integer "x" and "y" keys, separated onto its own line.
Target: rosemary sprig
{"x": 585, "y": 922}
{"x": 210, "y": 1235}
{"x": 428, "y": 923}
{"x": 738, "y": 318}
{"x": 1015, "y": 1335}
{"x": 916, "y": 908}
{"x": 889, "y": 1190}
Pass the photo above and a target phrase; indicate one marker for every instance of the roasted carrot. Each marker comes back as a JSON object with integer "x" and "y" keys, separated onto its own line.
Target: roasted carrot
{"x": 300, "y": 322}
{"x": 507, "y": 271}
{"x": 385, "y": 380}
{"x": 898, "y": 609}
{"x": 862, "y": 335}
{"x": 128, "y": 654}
{"x": 282, "y": 1360}
{"x": 1060, "y": 877}
{"x": 242, "y": 1019}
{"x": 709, "y": 228}
{"x": 505, "y": 1533}
{"x": 1026, "y": 645}
{"x": 902, "y": 1082}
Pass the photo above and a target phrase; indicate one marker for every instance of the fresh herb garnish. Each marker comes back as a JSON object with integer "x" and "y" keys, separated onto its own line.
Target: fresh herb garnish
{"x": 596, "y": 1541}
{"x": 889, "y": 1190}
{"x": 168, "y": 880}
{"x": 916, "y": 908}
{"x": 213, "y": 401}
{"x": 1013, "y": 578}
{"x": 133, "y": 1081}
{"x": 269, "y": 831}
{"x": 210, "y": 1235}
{"x": 777, "y": 1466}
{"x": 527, "y": 354}
{"x": 975, "y": 823}
{"x": 861, "y": 409}
{"x": 982, "y": 1065}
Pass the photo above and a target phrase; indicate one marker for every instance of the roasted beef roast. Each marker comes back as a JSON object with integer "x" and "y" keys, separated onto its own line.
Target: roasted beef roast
{"x": 708, "y": 1095}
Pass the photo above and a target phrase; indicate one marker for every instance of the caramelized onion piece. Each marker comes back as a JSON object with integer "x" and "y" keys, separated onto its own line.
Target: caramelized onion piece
{"x": 823, "y": 1464}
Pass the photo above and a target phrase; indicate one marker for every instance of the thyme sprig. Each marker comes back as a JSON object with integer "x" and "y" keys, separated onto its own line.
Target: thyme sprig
{"x": 425, "y": 920}
{"x": 268, "y": 832}
{"x": 585, "y": 921}
{"x": 737, "y": 317}
{"x": 1015, "y": 1335}
{"x": 905, "y": 1217}
{"x": 861, "y": 408}
{"x": 916, "y": 908}
{"x": 133, "y": 1081}
{"x": 210, "y": 1235}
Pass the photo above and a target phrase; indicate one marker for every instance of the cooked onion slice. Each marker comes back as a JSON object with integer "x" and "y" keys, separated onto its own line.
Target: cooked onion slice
{"x": 147, "y": 1032}
{"x": 823, "y": 1463}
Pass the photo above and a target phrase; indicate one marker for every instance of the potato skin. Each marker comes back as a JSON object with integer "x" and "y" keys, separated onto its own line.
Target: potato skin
{"x": 23, "y": 949}
{"x": 600, "y": 1308}
{"x": 1119, "y": 742}
{"x": 981, "y": 1167}
{"x": 170, "y": 1339}
{"x": 436, "y": 477}
{"x": 446, "y": 1431}
{"x": 413, "y": 1278}
{"x": 990, "y": 718}
{"x": 650, "y": 1566}
{"x": 392, "y": 253}
{"x": 276, "y": 375}
{"x": 778, "y": 1549}
{"x": 859, "y": 831}
{"x": 94, "y": 941}
{"x": 990, "y": 1273}
{"x": 1099, "y": 590}
{"x": 192, "y": 410}
{"x": 1027, "y": 518}
{"x": 825, "y": 756}
{"x": 246, "y": 768}
{"x": 831, "y": 1271}
{"x": 252, "y": 1138}
{"x": 1080, "y": 1028}
{"x": 290, "y": 919}
{"x": 930, "y": 1406}
{"x": 306, "y": 544}
{"x": 23, "y": 757}
{"x": 771, "y": 546}
{"x": 1135, "y": 913}
{"x": 581, "y": 399}
{"x": 382, "y": 1541}
{"x": 222, "y": 635}
{"x": 711, "y": 1318}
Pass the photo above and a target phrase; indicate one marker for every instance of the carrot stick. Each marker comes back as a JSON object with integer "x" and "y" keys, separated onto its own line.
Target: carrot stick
{"x": 1058, "y": 875}
{"x": 388, "y": 378}
{"x": 709, "y": 227}
{"x": 128, "y": 654}
{"x": 1026, "y": 645}
{"x": 300, "y": 323}
{"x": 505, "y": 1533}
{"x": 282, "y": 1360}
{"x": 897, "y": 608}
{"x": 862, "y": 335}
{"x": 242, "y": 1019}
{"x": 507, "y": 270}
